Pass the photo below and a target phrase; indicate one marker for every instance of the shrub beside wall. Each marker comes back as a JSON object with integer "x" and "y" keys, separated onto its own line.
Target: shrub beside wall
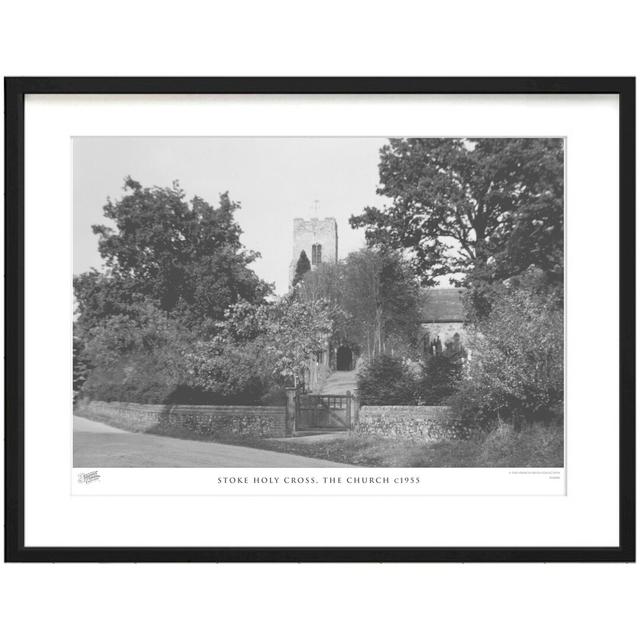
{"x": 414, "y": 423}
{"x": 203, "y": 420}
{"x": 516, "y": 372}
{"x": 387, "y": 380}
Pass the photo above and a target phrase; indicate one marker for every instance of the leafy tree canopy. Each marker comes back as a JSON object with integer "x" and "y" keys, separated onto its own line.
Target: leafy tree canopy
{"x": 516, "y": 371}
{"x": 275, "y": 340}
{"x": 186, "y": 257}
{"x": 373, "y": 295}
{"x": 136, "y": 357}
{"x": 381, "y": 297}
{"x": 476, "y": 208}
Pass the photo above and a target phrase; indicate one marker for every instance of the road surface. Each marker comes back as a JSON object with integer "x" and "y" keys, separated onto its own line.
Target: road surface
{"x": 100, "y": 446}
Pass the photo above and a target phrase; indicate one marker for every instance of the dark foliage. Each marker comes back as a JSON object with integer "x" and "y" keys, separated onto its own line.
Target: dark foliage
{"x": 81, "y": 365}
{"x": 375, "y": 296}
{"x": 147, "y": 357}
{"x": 184, "y": 257}
{"x": 441, "y": 375}
{"x": 302, "y": 266}
{"x": 479, "y": 210}
{"x": 387, "y": 380}
{"x": 516, "y": 371}
{"x": 172, "y": 270}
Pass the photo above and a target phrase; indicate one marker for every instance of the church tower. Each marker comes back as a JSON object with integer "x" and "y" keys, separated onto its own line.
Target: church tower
{"x": 317, "y": 238}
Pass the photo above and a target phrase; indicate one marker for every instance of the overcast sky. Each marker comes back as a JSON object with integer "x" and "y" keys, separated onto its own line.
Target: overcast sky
{"x": 274, "y": 179}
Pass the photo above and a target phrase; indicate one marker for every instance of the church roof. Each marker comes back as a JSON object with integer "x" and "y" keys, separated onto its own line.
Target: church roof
{"x": 442, "y": 305}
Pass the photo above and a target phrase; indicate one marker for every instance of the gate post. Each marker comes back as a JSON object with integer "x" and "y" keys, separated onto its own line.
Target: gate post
{"x": 355, "y": 410}
{"x": 291, "y": 408}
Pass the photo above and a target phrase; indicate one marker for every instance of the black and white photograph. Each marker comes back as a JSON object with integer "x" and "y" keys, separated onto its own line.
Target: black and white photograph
{"x": 321, "y": 319}
{"x": 303, "y": 302}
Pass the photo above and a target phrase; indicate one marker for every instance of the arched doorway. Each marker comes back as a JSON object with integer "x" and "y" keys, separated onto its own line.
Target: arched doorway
{"x": 344, "y": 359}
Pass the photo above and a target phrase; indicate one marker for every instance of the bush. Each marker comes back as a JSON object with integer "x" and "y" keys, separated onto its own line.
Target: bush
{"x": 148, "y": 357}
{"x": 535, "y": 446}
{"x": 387, "y": 380}
{"x": 441, "y": 376}
{"x": 161, "y": 376}
{"x": 134, "y": 357}
{"x": 515, "y": 369}
{"x": 81, "y": 365}
{"x": 234, "y": 374}
{"x": 390, "y": 380}
{"x": 138, "y": 377}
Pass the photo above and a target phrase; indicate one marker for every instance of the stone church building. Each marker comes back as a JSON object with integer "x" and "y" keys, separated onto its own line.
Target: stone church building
{"x": 442, "y": 313}
{"x": 317, "y": 238}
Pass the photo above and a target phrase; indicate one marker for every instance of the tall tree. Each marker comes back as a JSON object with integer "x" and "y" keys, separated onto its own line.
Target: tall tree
{"x": 324, "y": 282}
{"x": 484, "y": 208}
{"x": 373, "y": 298}
{"x": 184, "y": 256}
{"x": 302, "y": 266}
{"x": 380, "y": 298}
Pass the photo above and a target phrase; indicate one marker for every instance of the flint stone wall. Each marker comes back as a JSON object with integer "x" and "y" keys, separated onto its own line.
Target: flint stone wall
{"x": 199, "y": 419}
{"x": 410, "y": 422}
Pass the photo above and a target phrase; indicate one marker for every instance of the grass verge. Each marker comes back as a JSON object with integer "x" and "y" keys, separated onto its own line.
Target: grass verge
{"x": 534, "y": 446}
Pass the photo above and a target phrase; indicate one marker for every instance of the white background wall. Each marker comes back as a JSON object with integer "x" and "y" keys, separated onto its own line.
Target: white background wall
{"x": 331, "y": 38}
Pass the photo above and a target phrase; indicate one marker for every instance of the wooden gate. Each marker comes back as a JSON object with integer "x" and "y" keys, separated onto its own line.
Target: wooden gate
{"x": 315, "y": 412}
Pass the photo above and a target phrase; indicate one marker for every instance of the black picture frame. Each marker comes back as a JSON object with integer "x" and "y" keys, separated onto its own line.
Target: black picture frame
{"x": 15, "y": 91}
